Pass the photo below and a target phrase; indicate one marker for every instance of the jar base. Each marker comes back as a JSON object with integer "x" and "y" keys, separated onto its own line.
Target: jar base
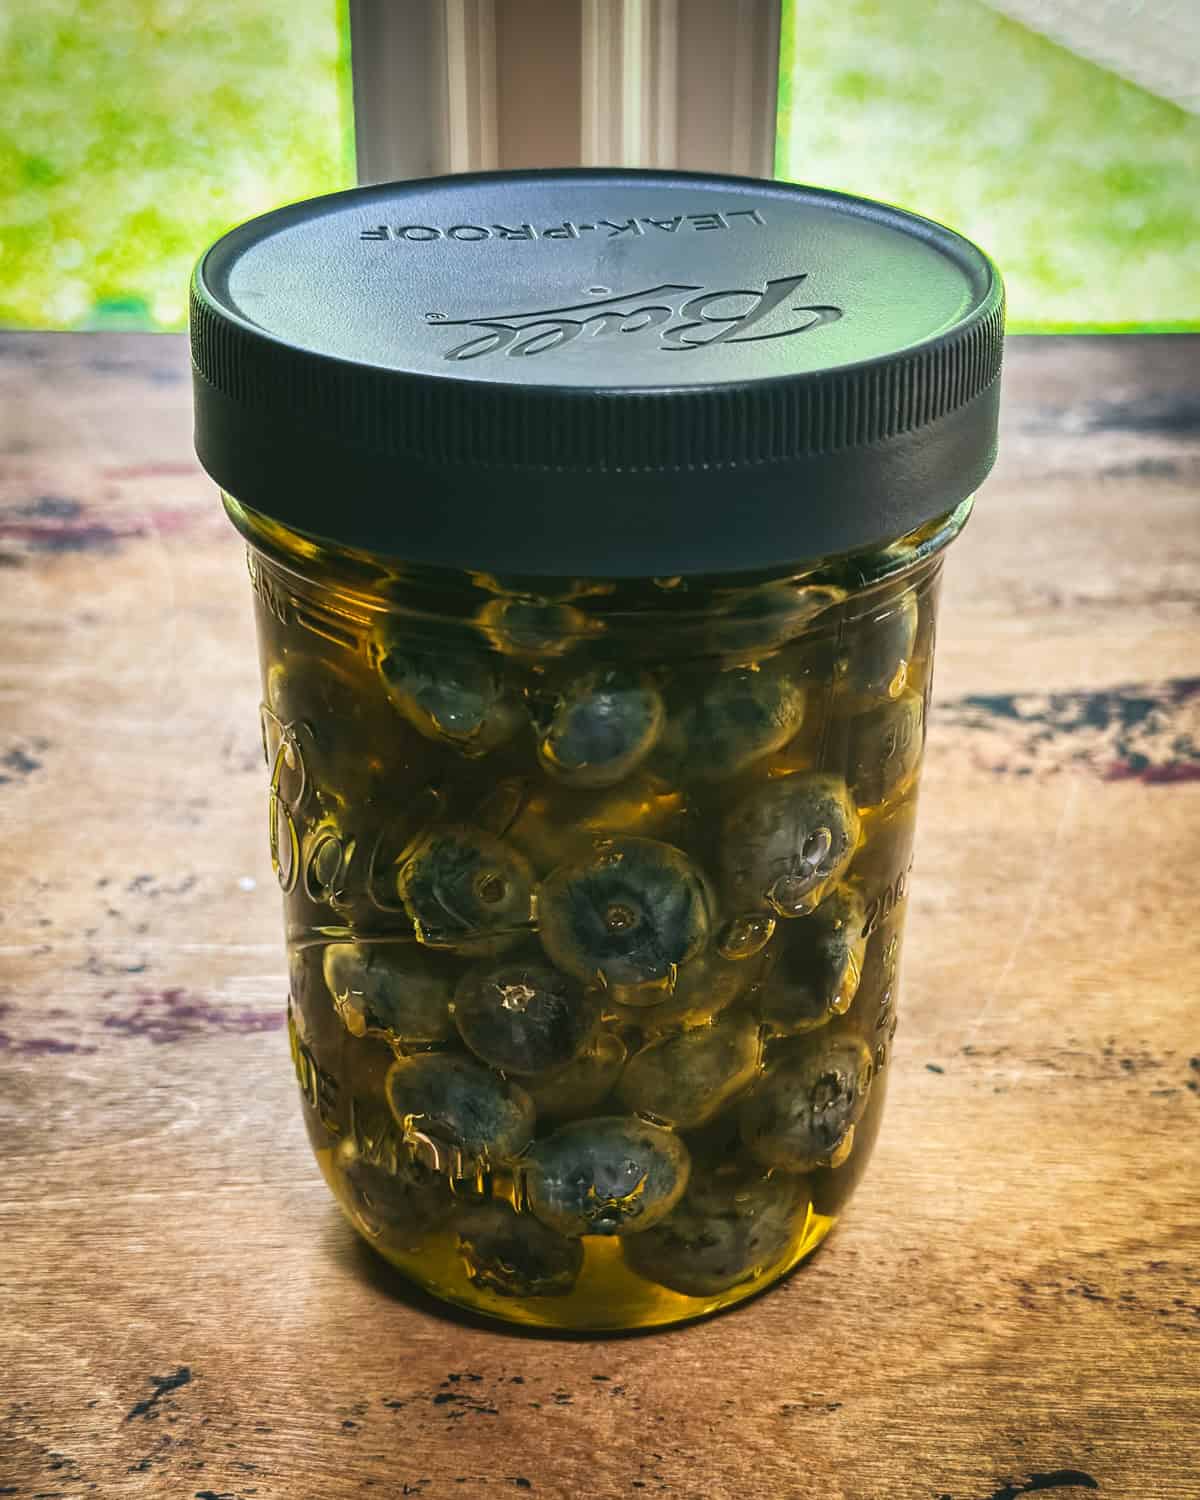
{"x": 607, "y": 1297}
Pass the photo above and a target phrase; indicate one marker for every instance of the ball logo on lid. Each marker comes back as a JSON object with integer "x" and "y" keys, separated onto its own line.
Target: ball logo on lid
{"x": 676, "y": 316}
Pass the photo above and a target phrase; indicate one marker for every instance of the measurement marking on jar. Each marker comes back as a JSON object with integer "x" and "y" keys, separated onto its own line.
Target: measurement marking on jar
{"x": 881, "y": 907}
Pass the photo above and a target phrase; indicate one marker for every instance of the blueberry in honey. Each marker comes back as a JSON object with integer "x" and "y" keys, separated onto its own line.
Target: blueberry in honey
{"x": 631, "y": 914}
{"x": 467, "y": 890}
{"x": 455, "y": 698}
{"x": 686, "y": 1079}
{"x": 523, "y": 1016}
{"x": 324, "y": 734}
{"x": 552, "y": 824}
{"x": 401, "y": 1198}
{"x": 818, "y": 966}
{"x": 389, "y": 988}
{"x": 513, "y": 1255}
{"x": 454, "y": 1114}
{"x": 703, "y": 989}
{"x": 786, "y": 843}
{"x": 886, "y": 848}
{"x": 533, "y": 627}
{"x": 612, "y": 1175}
{"x": 600, "y": 727}
{"x": 807, "y": 1101}
{"x": 740, "y": 716}
{"x": 877, "y": 650}
{"x": 884, "y": 749}
{"x": 756, "y": 620}
{"x": 574, "y": 1091}
{"x": 728, "y": 1228}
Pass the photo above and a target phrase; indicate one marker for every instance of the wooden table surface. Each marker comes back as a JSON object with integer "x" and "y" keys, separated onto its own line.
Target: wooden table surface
{"x": 1013, "y": 1303}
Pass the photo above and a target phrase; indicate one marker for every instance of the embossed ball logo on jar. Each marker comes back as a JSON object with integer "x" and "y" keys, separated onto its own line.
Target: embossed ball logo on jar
{"x": 675, "y": 316}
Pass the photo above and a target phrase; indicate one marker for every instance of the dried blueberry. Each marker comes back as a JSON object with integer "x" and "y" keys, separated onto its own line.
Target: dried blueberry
{"x": 631, "y": 915}
{"x": 728, "y": 1229}
{"x": 817, "y": 969}
{"x": 612, "y": 1175}
{"x": 576, "y": 1090}
{"x": 454, "y": 1113}
{"x": 786, "y": 843}
{"x": 455, "y": 698}
{"x": 390, "y": 988}
{"x": 686, "y": 1079}
{"x": 806, "y": 1103}
{"x": 466, "y": 890}
{"x": 876, "y": 651}
{"x": 524, "y": 1016}
{"x": 884, "y": 749}
{"x": 741, "y": 715}
{"x": 601, "y": 727}
{"x": 513, "y": 1255}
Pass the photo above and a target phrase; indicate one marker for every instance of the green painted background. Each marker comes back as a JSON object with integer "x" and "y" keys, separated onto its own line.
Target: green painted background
{"x": 132, "y": 132}
{"x": 1085, "y": 188}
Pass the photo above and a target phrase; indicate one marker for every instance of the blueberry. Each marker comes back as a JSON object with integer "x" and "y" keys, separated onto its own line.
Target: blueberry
{"x": 884, "y": 749}
{"x": 553, "y": 825}
{"x": 632, "y": 914}
{"x": 786, "y": 843}
{"x": 728, "y": 1229}
{"x": 886, "y": 848}
{"x": 405, "y": 1200}
{"x": 703, "y": 989}
{"x": 513, "y": 1255}
{"x": 534, "y": 627}
{"x": 686, "y": 1079}
{"x": 600, "y": 727}
{"x": 324, "y": 733}
{"x": 877, "y": 650}
{"x": 752, "y": 622}
{"x": 389, "y": 988}
{"x": 455, "y": 698}
{"x": 740, "y": 716}
{"x": 806, "y": 1103}
{"x": 576, "y": 1090}
{"x": 465, "y": 889}
{"x": 524, "y": 1016}
{"x": 816, "y": 972}
{"x": 612, "y": 1175}
{"x": 456, "y": 1113}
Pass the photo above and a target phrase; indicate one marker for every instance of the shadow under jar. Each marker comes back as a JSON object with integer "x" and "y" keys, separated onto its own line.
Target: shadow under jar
{"x": 594, "y": 702}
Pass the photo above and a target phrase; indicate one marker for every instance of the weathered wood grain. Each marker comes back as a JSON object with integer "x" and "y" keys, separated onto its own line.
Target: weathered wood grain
{"x": 1016, "y": 1290}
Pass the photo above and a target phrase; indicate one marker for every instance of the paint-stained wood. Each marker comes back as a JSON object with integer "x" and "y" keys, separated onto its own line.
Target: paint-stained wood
{"x": 1013, "y": 1303}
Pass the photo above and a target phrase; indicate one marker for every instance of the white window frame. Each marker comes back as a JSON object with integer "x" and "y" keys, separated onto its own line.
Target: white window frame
{"x": 470, "y": 85}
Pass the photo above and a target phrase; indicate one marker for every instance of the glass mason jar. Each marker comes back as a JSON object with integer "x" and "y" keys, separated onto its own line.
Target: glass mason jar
{"x": 592, "y": 800}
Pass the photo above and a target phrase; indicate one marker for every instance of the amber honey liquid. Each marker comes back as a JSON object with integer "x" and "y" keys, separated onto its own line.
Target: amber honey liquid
{"x": 594, "y": 899}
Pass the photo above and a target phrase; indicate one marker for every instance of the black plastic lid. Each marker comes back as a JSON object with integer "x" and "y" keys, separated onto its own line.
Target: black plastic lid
{"x": 597, "y": 373}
